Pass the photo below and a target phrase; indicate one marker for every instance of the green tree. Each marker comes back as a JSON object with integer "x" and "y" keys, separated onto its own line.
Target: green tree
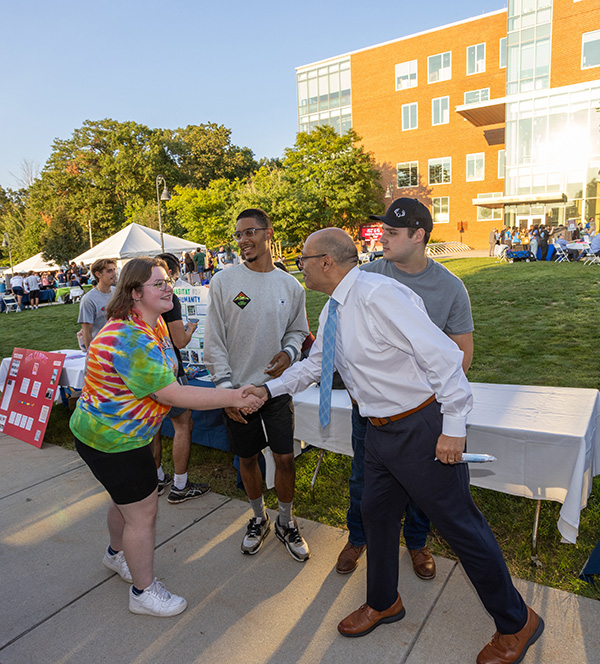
{"x": 204, "y": 152}
{"x": 103, "y": 174}
{"x": 334, "y": 181}
{"x": 64, "y": 238}
{"x": 206, "y": 213}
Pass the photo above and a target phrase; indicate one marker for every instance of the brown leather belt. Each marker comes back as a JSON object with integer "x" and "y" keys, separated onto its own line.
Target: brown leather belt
{"x": 380, "y": 421}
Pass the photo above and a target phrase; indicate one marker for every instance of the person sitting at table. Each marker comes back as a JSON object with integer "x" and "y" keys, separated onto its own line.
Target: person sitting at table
{"x": 130, "y": 384}
{"x": 74, "y": 280}
{"x": 61, "y": 277}
{"x": 181, "y": 418}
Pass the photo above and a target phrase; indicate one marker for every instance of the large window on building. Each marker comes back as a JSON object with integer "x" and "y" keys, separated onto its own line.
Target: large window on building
{"x": 406, "y": 75}
{"x": 489, "y": 214}
{"x": 477, "y": 96}
{"x": 324, "y": 96}
{"x": 475, "y": 59}
{"x": 440, "y": 209}
{"x": 440, "y": 110}
{"x": 410, "y": 116}
{"x": 407, "y": 174}
{"x": 590, "y": 50}
{"x": 501, "y": 163}
{"x": 439, "y": 67}
{"x": 502, "y": 63}
{"x": 475, "y": 166}
{"x": 440, "y": 170}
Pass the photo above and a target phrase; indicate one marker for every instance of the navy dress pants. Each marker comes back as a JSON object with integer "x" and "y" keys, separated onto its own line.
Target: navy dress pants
{"x": 399, "y": 463}
{"x": 416, "y": 523}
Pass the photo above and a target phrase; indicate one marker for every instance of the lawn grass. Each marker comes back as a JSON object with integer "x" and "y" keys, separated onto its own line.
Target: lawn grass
{"x": 535, "y": 324}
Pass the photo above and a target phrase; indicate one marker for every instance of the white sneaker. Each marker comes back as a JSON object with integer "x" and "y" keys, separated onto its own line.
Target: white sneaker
{"x": 118, "y": 564}
{"x": 293, "y": 540}
{"x": 256, "y": 531}
{"x": 156, "y": 600}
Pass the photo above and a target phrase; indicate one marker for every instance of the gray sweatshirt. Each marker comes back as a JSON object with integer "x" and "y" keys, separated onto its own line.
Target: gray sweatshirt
{"x": 251, "y": 317}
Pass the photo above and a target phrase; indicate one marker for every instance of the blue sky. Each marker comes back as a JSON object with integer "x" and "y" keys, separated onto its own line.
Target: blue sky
{"x": 170, "y": 64}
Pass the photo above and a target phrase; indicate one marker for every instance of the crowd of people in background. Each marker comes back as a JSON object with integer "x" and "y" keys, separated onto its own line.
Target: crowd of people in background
{"x": 539, "y": 237}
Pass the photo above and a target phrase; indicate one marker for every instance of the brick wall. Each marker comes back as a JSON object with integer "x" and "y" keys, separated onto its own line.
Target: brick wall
{"x": 377, "y": 116}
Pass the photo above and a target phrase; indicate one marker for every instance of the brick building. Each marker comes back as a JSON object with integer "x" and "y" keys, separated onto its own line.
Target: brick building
{"x": 490, "y": 121}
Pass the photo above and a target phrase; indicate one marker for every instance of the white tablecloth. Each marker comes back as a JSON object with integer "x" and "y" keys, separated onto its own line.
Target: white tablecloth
{"x": 545, "y": 440}
{"x": 72, "y": 374}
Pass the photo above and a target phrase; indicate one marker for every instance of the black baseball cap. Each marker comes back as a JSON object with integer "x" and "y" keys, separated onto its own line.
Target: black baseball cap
{"x": 406, "y": 213}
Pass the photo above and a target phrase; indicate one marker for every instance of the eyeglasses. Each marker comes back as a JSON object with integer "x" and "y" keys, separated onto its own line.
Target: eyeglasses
{"x": 162, "y": 284}
{"x": 301, "y": 259}
{"x": 249, "y": 232}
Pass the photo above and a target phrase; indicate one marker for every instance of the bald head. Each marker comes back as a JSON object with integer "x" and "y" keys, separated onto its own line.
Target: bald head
{"x": 330, "y": 254}
{"x": 335, "y": 242}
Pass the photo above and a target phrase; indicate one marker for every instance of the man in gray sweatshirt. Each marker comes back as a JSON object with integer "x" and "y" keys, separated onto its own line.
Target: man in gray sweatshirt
{"x": 255, "y": 326}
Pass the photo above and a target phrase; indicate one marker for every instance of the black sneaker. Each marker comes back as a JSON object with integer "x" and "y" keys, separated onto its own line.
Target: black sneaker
{"x": 163, "y": 484}
{"x": 258, "y": 528}
{"x": 191, "y": 490}
{"x": 293, "y": 540}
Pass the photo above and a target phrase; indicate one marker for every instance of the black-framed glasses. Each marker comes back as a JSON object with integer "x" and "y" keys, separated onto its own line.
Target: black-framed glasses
{"x": 301, "y": 259}
{"x": 249, "y": 232}
{"x": 162, "y": 284}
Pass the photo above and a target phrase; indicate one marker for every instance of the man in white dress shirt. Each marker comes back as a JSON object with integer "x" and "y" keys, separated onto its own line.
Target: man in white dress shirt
{"x": 405, "y": 375}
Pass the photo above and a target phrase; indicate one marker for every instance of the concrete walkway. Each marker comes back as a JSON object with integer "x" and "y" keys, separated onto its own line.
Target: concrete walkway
{"x": 60, "y": 605}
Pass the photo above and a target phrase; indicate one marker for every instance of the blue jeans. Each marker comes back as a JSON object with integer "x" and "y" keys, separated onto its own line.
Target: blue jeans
{"x": 416, "y": 523}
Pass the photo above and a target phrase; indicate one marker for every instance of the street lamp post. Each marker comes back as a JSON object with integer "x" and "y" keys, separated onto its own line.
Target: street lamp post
{"x": 165, "y": 196}
{"x": 6, "y": 243}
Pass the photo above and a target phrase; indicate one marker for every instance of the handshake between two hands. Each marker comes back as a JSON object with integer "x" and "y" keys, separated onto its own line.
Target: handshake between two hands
{"x": 248, "y": 399}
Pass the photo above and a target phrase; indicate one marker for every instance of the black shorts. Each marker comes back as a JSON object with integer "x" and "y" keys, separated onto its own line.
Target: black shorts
{"x": 34, "y": 295}
{"x": 127, "y": 476}
{"x": 277, "y": 415}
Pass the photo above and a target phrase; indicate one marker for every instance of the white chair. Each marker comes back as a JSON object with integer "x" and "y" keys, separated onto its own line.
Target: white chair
{"x": 562, "y": 255}
{"x": 76, "y": 293}
{"x": 10, "y": 303}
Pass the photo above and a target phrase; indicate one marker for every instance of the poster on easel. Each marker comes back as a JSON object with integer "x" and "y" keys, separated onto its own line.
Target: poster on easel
{"x": 194, "y": 301}
{"x": 28, "y": 394}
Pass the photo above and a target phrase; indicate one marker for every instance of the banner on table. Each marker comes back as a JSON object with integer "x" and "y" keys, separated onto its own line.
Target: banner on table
{"x": 194, "y": 301}
{"x": 28, "y": 394}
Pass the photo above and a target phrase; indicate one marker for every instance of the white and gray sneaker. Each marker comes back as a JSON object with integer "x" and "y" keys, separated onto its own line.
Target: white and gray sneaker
{"x": 257, "y": 530}
{"x": 156, "y": 600}
{"x": 118, "y": 564}
{"x": 293, "y": 540}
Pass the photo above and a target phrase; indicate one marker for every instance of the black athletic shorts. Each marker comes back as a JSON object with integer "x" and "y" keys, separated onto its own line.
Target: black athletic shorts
{"x": 277, "y": 416}
{"x": 127, "y": 476}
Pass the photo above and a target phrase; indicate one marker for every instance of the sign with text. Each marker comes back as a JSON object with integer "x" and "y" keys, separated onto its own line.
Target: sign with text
{"x": 371, "y": 232}
{"x": 194, "y": 301}
{"x": 28, "y": 394}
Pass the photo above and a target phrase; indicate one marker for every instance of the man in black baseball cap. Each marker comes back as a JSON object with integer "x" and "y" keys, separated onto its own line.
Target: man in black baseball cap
{"x": 406, "y": 213}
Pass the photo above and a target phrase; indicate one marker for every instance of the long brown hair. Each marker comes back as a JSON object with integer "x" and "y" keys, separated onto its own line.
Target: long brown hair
{"x": 133, "y": 275}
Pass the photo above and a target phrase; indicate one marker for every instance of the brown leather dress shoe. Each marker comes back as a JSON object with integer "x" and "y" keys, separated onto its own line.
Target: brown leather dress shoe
{"x": 348, "y": 559}
{"x": 511, "y": 648}
{"x": 423, "y": 563}
{"x": 365, "y": 620}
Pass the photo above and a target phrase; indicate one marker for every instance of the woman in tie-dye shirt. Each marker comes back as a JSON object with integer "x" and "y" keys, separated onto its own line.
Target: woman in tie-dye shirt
{"x": 130, "y": 385}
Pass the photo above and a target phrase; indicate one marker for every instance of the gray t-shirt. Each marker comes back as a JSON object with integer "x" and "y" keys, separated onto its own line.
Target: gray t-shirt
{"x": 92, "y": 309}
{"x": 444, "y": 294}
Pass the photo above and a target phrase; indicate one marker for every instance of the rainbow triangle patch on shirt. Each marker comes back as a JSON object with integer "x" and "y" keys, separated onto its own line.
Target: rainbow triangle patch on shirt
{"x": 241, "y": 299}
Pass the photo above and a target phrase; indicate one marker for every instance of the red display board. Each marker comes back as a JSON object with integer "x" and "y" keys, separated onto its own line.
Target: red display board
{"x": 28, "y": 394}
{"x": 371, "y": 232}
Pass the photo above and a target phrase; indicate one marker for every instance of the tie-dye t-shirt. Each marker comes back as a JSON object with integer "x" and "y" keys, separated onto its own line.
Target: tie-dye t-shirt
{"x": 127, "y": 362}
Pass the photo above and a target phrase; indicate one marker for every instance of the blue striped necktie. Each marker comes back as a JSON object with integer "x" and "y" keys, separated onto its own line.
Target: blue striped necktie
{"x": 327, "y": 364}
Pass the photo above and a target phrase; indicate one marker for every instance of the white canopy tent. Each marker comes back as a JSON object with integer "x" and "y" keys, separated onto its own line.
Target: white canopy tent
{"x": 36, "y": 263}
{"x": 133, "y": 241}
